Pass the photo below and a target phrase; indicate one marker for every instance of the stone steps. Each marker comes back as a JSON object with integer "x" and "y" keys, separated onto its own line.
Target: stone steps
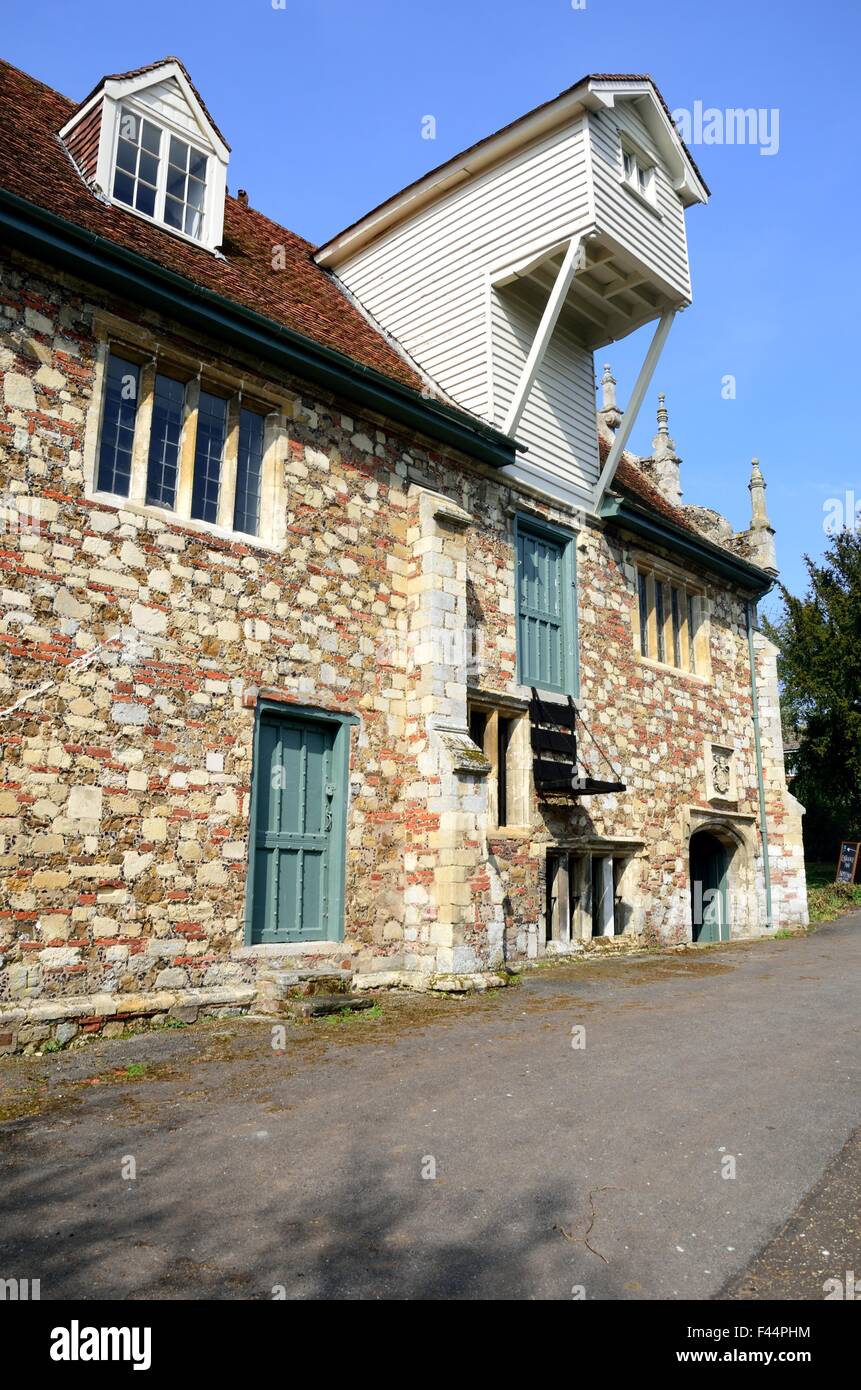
{"x": 277, "y": 989}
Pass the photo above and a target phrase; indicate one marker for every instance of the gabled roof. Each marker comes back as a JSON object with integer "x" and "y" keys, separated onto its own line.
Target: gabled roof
{"x": 594, "y": 90}
{"x": 144, "y": 72}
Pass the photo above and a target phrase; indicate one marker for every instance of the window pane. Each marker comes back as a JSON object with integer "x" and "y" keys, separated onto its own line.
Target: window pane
{"x": 151, "y": 137}
{"x": 176, "y": 183}
{"x": 659, "y": 618}
{"x": 693, "y": 622}
{"x": 127, "y": 156}
{"x": 249, "y": 473}
{"x": 173, "y": 212}
{"x": 643, "y": 593}
{"x": 129, "y": 124}
{"x": 195, "y": 193}
{"x": 197, "y": 165}
{"x": 145, "y": 199}
{"x": 168, "y": 400}
{"x": 124, "y": 187}
{"x": 677, "y": 626}
{"x": 148, "y": 168}
{"x": 208, "y": 454}
{"x": 178, "y": 153}
{"x": 193, "y": 222}
{"x": 118, "y": 426}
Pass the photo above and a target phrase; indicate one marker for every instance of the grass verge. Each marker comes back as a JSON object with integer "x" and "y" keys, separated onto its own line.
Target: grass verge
{"x": 827, "y": 899}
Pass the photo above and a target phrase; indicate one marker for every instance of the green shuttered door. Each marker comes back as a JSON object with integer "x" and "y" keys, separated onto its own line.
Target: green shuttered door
{"x": 541, "y": 610}
{"x": 297, "y": 833}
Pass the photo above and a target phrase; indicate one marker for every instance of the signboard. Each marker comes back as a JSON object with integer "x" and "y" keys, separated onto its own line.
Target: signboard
{"x": 847, "y": 863}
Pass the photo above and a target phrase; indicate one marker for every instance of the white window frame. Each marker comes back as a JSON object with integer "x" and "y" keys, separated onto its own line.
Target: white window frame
{"x": 272, "y": 529}
{"x": 167, "y": 129}
{"x": 643, "y": 166}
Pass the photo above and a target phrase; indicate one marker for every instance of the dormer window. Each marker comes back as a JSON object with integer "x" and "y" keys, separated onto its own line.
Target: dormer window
{"x": 146, "y": 140}
{"x": 638, "y": 174}
{"x": 160, "y": 175}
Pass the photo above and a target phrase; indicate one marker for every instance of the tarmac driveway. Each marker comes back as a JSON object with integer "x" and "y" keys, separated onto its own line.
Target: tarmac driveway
{"x": 461, "y": 1148}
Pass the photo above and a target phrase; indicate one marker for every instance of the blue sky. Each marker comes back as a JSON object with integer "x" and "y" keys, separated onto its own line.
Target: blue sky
{"x": 323, "y": 100}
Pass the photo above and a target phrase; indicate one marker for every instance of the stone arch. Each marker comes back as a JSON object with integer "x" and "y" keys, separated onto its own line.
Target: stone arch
{"x": 735, "y": 839}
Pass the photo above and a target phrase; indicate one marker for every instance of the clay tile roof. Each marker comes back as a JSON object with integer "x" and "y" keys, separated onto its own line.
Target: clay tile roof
{"x": 301, "y": 297}
{"x": 632, "y": 482}
{"x": 152, "y": 67}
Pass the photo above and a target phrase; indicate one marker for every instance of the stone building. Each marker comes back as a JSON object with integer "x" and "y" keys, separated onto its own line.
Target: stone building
{"x": 341, "y": 635}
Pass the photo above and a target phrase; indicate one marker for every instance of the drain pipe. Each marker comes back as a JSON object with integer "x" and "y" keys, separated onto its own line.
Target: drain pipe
{"x": 763, "y": 822}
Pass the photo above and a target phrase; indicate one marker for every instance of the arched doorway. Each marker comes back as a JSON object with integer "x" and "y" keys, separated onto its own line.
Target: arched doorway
{"x": 709, "y": 863}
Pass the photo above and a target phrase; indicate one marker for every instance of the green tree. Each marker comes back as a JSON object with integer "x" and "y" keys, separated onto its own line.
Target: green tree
{"x": 819, "y": 637}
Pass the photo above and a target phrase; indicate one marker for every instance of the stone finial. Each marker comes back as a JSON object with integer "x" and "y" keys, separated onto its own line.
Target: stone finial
{"x": 662, "y": 444}
{"x": 756, "y": 488}
{"x": 610, "y": 412}
{"x": 664, "y": 463}
{"x": 761, "y": 533}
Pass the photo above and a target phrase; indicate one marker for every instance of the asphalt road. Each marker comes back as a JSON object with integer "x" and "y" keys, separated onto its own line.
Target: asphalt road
{"x": 557, "y": 1168}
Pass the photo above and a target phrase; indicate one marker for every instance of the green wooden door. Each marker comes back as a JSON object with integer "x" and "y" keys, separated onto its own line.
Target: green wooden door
{"x": 540, "y": 611}
{"x": 708, "y": 889}
{"x": 298, "y": 831}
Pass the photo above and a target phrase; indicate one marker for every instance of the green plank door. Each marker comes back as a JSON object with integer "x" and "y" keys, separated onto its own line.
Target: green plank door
{"x": 540, "y": 611}
{"x": 708, "y": 868}
{"x": 295, "y": 866}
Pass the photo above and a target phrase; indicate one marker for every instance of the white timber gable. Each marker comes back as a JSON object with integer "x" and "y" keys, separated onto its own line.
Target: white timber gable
{"x": 504, "y": 270}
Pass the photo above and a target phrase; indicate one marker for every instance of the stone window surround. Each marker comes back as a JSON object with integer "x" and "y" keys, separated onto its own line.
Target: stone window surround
{"x": 657, "y": 569}
{"x": 518, "y": 762}
{"x": 143, "y": 347}
{"x": 623, "y": 855}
